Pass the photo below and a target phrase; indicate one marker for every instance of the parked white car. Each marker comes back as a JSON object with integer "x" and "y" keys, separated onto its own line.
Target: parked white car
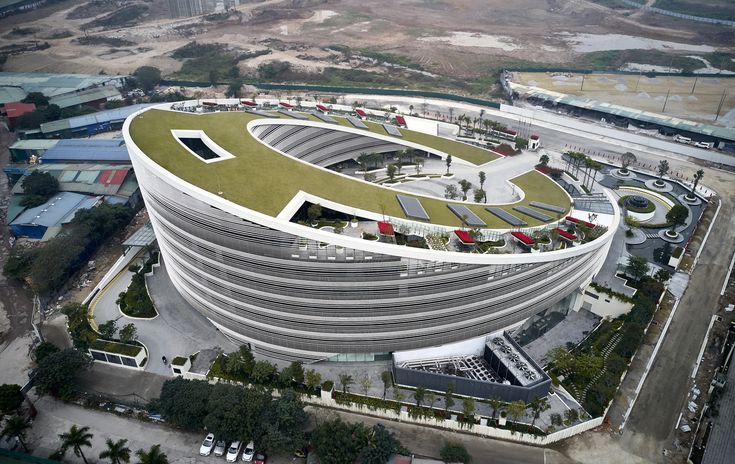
{"x": 207, "y": 445}
{"x": 234, "y": 451}
{"x": 248, "y": 452}
{"x": 220, "y": 447}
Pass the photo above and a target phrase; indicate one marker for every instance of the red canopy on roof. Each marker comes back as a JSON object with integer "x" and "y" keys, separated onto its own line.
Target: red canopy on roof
{"x": 523, "y": 238}
{"x": 385, "y": 228}
{"x": 361, "y": 113}
{"x": 579, "y": 221}
{"x": 248, "y": 103}
{"x": 509, "y": 132}
{"x": 209, "y": 103}
{"x": 464, "y": 236}
{"x": 534, "y": 137}
{"x": 400, "y": 120}
{"x": 286, "y": 105}
{"x": 566, "y": 235}
{"x": 322, "y": 108}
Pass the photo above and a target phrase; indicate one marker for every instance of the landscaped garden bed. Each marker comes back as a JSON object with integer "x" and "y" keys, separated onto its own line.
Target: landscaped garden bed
{"x": 135, "y": 301}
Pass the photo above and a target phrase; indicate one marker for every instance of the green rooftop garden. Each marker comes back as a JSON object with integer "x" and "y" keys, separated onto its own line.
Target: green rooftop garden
{"x": 179, "y": 361}
{"x": 263, "y": 180}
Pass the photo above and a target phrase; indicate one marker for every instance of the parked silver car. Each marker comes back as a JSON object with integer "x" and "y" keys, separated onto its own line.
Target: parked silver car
{"x": 220, "y": 447}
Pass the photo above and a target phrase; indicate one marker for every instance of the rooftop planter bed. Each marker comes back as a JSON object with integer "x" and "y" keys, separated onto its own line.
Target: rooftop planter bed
{"x": 286, "y": 105}
{"x": 115, "y": 347}
{"x": 523, "y": 238}
{"x": 369, "y": 236}
{"x": 566, "y": 235}
{"x": 579, "y": 221}
{"x": 248, "y": 103}
{"x": 179, "y": 361}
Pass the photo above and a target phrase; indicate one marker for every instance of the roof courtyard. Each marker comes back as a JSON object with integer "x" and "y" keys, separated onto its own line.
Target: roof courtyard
{"x": 265, "y": 180}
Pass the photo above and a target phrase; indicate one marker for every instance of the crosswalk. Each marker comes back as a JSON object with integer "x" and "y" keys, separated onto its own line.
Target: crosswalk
{"x": 652, "y": 236}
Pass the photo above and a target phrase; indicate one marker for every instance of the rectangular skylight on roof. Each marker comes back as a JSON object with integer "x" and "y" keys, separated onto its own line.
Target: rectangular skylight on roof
{"x": 292, "y": 114}
{"x": 532, "y": 213}
{"x": 412, "y": 207}
{"x": 548, "y": 207}
{"x": 506, "y": 216}
{"x": 357, "y": 123}
{"x": 467, "y": 216}
{"x": 392, "y": 130}
{"x": 324, "y": 117}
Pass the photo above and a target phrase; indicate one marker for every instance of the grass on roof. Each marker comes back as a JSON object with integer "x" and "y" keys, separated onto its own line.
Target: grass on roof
{"x": 260, "y": 179}
{"x": 115, "y": 347}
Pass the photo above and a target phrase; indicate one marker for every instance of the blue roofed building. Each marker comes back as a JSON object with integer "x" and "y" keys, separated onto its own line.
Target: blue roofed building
{"x": 23, "y": 150}
{"x": 107, "y": 151}
{"x": 44, "y": 222}
{"x": 86, "y": 125}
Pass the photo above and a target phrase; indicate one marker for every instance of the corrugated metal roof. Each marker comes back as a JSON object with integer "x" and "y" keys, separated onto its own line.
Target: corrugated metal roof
{"x": 54, "y": 211}
{"x": 87, "y": 150}
{"x": 51, "y": 84}
{"x": 85, "y": 96}
{"x": 726, "y": 133}
{"x": 101, "y": 117}
{"x": 11, "y": 94}
{"x": 34, "y": 144}
{"x": 85, "y": 178}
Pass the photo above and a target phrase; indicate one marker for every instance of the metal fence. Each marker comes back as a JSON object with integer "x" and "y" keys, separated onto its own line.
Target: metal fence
{"x": 701, "y": 19}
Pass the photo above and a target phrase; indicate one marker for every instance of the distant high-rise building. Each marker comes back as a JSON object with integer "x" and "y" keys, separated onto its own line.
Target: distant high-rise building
{"x": 186, "y": 8}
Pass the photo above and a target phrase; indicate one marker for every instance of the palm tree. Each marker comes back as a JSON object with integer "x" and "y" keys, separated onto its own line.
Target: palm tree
{"x": 495, "y": 404}
{"x": 152, "y": 456}
{"x": 663, "y": 168}
{"x": 449, "y": 162}
{"x": 418, "y": 395}
{"x": 116, "y": 451}
{"x": 697, "y": 177}
{"x": 345, "y": 380}
{"x": 16, "y": 427}
{"x": 538, "y": 406}
{"x": 483, "y": 178}
{"x": 75, "y": 438}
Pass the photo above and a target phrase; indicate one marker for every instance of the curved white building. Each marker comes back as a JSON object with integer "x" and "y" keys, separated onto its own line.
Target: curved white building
{"x": 224, "y": 189}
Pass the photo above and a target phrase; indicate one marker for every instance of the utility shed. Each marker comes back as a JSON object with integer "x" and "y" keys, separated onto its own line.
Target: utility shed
{"x": 45, "y": 221}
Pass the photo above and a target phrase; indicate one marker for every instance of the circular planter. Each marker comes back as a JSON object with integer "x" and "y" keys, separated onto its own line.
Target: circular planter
{"x": 623, "y": 172}
{"x": 353, "y": 223}
{"x": 659, "y": 183}
{"x": 671, "y": 234}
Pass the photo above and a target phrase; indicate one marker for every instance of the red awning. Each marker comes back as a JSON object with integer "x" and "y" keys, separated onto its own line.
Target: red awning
{"x": 566, "y": 235}
{"x": 248, "y": 103}
{"x": 385, "y": 228}
{"x": 579, "y": 221}
{"x": 400, "y": 120}
{"x": 361, "y": 113}
{"x": 523, "y": 238}
{"x": 509, "y": 132}
{"x": 286, "y": 105}
{"x": 322, "y": 108}
{"x": 464, "y": 237}
{"x": 209, "y": 103}
{"x": 534, "y": 137}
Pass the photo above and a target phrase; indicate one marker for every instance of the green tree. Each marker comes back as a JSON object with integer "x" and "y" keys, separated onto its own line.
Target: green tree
{"x": 335, "y": 442}
{"x": 387, "y": 379}
{"x": 10, "y": 398}
{"x": 418, "y": 163}
{"x": 418, "y": 395}
{"x": 448, "y": 160}
{"x": 588, "y": 365}
{"x": 366, "y": 383}
{"x": 560, "y": 358}
{"x": 234, "y": 90}
{"x": 626, "y": 160}
{"x": 56, "y": 262}
{"x": 76, "y": 438}
{"x": 314, "y": 212}
{"x": 544, "y": 160}
{"x": 697, "y": 177}
{"x": 637, "y": 267}
{"x": 430, "y": 398}
{"x": 282, "y": 424}
{"x": 264, "y": 372}
{"x": 494, "y": 404}
{"x": 468, "y": 408}
{"x": 345, "y": 380}
{"x": 450, "y": 191}
{"x": 108, "y": 329}
{"x": 148, "y": 77}
{"x": 16, "y": 426}
{"x": 128, "y": 333}
{"x": 77, "y": 323}
{"x": 297, "y": 372}
{"x": 313, "y": 379}
{"x": 539, "y": 405}
{"x": 662, "y": 169}
{"x": 234, "y": 412}
{"x": 37, "y": 98}
{"x": 185, "y": 403}
{"x": 41, "y": 184}
{"x": 677, "y": 216}
{"x": 662, "y": 275}
{"x": 391, "y": 171}
{"x": 483, "y": 178}
{"x": 464, "y": 186}
{"x": 571, "y": 416}
{"x": 153, "y": 456}
{"x": 381, "y": 444}
{"x": 454, "y": 452}
{"x": 57, "y": 374}
{"x": 516, "y": 410}
{"x": 117, "y": 452}
{"x": 448, "y": 397}
{"x": 521, "y": 143}
{"x": 479, "y": 195}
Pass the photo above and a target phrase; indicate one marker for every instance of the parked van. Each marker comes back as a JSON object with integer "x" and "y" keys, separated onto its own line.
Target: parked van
{"x": 682, "y": 139}
{"x": 705, "y": 145}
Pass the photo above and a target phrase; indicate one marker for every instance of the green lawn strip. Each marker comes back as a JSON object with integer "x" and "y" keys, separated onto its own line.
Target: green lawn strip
{"x": 260, "y": 179}
{"x": 114, "y": 347}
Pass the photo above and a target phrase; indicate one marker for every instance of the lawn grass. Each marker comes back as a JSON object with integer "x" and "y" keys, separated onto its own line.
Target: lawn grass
{"x": 115, "y": 347}
{"x": 262, "y": 180}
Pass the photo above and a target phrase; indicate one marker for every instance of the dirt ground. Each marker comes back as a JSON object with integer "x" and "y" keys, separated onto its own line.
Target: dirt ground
{"x": 456, "y": 38}
{"x": 696, "y": 98}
